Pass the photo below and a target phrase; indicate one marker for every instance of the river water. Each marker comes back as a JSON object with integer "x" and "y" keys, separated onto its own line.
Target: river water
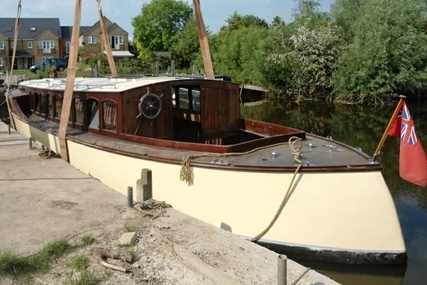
{"x": 363, "y": 126}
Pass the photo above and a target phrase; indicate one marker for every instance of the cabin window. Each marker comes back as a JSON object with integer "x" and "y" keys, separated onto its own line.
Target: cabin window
{"x": 37, "y": 102}
{"x": 109, "y": 116}
{"x": 93, "y": 114}
{"x": 49, "y": 110}
{"x": 44, "y": 107}
{"x": 187, "y": 98}
{"x": 58, "y": 106}
{"x": 79, "y": 112}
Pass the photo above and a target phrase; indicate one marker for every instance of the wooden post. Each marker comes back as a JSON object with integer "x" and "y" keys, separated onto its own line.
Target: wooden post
{"x": 204, "y": 45}
{"x": 69, "y": 84}
{"x": 106, "y": 42}
{"x": 144, "y": 186}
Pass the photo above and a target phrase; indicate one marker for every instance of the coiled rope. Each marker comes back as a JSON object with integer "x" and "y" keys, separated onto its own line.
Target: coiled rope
{"x": 297, "y": 151}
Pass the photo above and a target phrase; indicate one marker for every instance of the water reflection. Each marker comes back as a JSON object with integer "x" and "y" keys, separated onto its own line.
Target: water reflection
{"x": 363, "y": 126}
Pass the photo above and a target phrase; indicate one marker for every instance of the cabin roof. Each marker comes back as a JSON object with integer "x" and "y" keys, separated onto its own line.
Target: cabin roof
{"x": 96, "y": 84}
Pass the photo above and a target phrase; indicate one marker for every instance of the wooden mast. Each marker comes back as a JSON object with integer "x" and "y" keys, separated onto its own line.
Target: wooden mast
{"x": 106, "y": 42}
{"x": 69, "y": 84}
{"x": 204, "y": 45}
{"x": 15, "y": 40}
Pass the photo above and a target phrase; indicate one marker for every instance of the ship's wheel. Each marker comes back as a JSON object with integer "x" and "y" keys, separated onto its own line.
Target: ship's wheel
{"x": 150, "y": 105}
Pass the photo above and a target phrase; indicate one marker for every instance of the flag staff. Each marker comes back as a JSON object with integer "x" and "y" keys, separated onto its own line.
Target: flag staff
{"x": 393, "y": 117}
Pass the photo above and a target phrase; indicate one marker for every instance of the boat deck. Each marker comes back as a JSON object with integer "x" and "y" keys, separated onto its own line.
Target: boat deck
{"x": 317, "y": 153}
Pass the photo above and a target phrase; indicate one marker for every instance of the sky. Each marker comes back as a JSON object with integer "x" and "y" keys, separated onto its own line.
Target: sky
{"x": 214, "y": 12}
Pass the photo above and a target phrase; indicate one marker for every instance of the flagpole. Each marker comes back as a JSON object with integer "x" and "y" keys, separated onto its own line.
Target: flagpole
{"x": 393, "y": 117}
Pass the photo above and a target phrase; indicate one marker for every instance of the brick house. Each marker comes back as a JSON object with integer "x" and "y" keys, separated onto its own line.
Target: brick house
{"x": 41, "y": 38}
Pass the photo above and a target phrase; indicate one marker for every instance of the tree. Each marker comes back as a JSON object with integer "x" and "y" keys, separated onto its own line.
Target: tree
{"x": 316, "y": 52}
{"x": 345, "y": 13}
{"x": 388, "y": 54}
{"x": 158, "y": 26}
{"x": 237, "y": 21}
{"x": 187, "y": 47}
{"x": 239, "y": 54}
{"x": 307, "y": 12}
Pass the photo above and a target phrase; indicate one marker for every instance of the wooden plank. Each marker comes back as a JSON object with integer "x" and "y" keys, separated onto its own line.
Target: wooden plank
{"x": 204, "y": 45}
{"x": 69, "y": 85}
{"x": 106, "y": 42}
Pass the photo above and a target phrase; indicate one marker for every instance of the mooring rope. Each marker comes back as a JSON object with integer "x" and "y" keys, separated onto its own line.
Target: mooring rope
{"x": 297, "y": 158}
{"x": 187, "y": 171}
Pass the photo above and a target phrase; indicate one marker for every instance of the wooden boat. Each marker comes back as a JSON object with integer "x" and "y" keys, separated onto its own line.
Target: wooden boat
{"x": 210, "y": 163}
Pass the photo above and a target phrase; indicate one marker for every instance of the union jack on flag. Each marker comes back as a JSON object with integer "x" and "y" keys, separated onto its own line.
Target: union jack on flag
{"x": 407, "y": 132}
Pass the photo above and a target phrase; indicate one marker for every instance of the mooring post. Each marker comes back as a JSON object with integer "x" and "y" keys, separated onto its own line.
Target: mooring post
{"x": 130, "y": 197}
{"x": 281, "y": 269}
{"x": 31, "y": 143}
{"x": 144, "y": 186}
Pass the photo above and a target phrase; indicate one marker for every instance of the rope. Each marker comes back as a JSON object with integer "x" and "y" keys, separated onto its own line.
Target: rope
{"x": 187, "y": 171}
{"x": 288, "y": 192}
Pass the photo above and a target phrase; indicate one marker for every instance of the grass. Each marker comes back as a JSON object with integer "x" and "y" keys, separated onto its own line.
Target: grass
{"x": 129, "y": 227}
{"x": 55, "y": 248}
{"x": 79, "y": 262}
{"x": 87, "y": 240}
{"x": 15, "y": 264}
{"x": 86, "y": 278}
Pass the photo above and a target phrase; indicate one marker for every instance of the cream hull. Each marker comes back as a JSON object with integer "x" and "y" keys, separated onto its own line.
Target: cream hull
{"x": 344, "y": 214}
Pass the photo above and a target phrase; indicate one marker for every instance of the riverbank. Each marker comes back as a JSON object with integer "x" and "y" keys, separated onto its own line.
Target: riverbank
{"x": 43, "y": 199}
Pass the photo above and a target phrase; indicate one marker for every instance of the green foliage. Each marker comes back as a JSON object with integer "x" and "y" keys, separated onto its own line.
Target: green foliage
{"x": 159, "y": 25}
{"x": 131, "y": 66}
{"x": 87, "y": 240}
{"x": 387, "y": 55}
{"x": 12, "y": 263}
{"x": 278, "y": 67}
{"x": 345, "y": 13}
{"x": 237, "y": 22}
{"x": 307, "y": 13}
{"x": 316, "y": 52}
{"x": 86, "y": 278}
{"x": 130, "y": 227}
{"x": 79, "y": 262}
{"x": 45, "y": 72}
{"x": 239, "y": 54}
{"x": 55, "y": 248}
{"x": 187, "y": 46}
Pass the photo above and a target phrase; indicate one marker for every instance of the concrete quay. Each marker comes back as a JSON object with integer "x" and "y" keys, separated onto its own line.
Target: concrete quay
{"x": 43, "y": 199}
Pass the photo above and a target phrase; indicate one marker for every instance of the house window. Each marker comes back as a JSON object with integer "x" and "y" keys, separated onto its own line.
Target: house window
{"x": 11, "y": 45}
{"x": 1, "y": 44}
{"x": 33, "y": 29}
{"x": 30, "y": 45}
{"x": 115, "y": 41}
{"x": 1, "y": 61}
{"x": 67, "y": 47}
{"x": 46, "y": 46}
{"x": 91, "y": 40}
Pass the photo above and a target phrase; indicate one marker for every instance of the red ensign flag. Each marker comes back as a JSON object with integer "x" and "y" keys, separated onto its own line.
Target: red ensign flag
{"x": 412, "y": 158}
